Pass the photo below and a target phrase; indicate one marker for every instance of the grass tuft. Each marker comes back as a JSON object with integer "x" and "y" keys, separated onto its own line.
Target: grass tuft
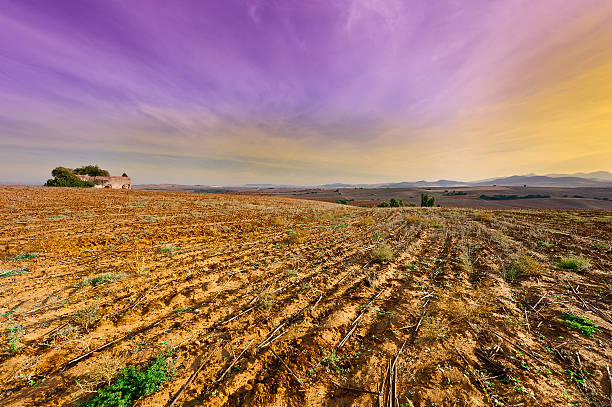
{"x": 101, "y": 279}
{"x": 574, "y": 263}
{"x": 382, "y": 253}
{"x": 523, "y": 266}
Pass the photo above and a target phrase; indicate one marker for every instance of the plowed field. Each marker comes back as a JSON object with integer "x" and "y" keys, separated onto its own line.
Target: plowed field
{"x": 256, "y": 301}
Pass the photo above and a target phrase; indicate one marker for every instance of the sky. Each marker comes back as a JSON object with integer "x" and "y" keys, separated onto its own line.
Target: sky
{"x": 305, "y": 92}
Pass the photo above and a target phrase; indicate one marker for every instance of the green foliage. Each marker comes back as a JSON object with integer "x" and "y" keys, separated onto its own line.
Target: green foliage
{"x": 92, "y": 170}
{"x": 57, "y": 171}
{"x": 393, "y": 203}
{"x": 64, "y": 177}
{"x": 133, "y": 383}
{"x": 574, "y": 263}
{"x": 584, "y": 325}
{"x": 427, "y": 201}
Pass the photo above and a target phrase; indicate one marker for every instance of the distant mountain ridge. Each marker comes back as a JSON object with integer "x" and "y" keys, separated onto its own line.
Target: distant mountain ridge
{"x": 597, "y": 179}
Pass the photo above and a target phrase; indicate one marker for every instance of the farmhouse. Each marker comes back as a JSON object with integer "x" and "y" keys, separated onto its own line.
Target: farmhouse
{"x": 114, "y": 182}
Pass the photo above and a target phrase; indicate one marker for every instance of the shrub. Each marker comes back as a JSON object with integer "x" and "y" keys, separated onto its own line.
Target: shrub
{"x": 368, "y": 221}
{"x": 574, "y": 263}
{"x": 427, "y": 201}
{"x": 523, "y": 266}
{"x": 383, "y": 205}
{"x": 133, "y": 383}
{"x": 414, "y": 219}
{"x": 483, "y": 216}
{"x": 295, "y": 236}
{"x": 277, "y": 221}
{"x": 86, "y": 317}
{"x": 64, "y": 177}
{"x": 382, "y": 253}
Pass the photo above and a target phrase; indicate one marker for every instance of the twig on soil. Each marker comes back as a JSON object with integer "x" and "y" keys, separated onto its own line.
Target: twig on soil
{"x": 610, "y": 380}
{"x": 234, "y": 317}
{"x": 478, "y": 378}
{"x": 520, "y": 348}
{"x": 233, "y": 363}
{"x": 140, "y": 298}
{"x": 287, "y": 367}
{"x": 589, "y": 306}
{"x": 193, "y": 375}
{"x": 376, "y": 393}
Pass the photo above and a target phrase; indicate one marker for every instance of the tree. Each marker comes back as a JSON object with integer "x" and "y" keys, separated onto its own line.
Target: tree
{"x": 427, "y": 201}
{"x": 394, "y": 203}
{"x": 92, "y": 170}
{"x": 64, "y": 177}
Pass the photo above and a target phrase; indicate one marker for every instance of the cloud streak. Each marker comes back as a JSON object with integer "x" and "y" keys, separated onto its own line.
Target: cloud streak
{"x": 353, "y": 90}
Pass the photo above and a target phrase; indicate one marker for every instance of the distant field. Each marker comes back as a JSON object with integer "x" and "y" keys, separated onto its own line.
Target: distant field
{"x": 466, "y": 197}
{"x": 235, "y": 300}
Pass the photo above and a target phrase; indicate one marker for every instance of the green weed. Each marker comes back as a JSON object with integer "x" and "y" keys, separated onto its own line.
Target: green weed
{"x": 133, "y": 383}
{"x": 580, "y": 323}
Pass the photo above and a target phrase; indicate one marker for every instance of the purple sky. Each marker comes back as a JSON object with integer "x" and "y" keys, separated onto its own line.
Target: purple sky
{"x": 309, "y": 91}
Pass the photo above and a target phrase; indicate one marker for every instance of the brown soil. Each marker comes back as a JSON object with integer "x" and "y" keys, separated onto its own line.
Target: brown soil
{"x": 321, "y": 321}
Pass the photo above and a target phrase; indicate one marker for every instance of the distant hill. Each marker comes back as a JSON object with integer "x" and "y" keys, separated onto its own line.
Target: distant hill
{"x": 597, "y": 175}
{"x": 544, "y": 181}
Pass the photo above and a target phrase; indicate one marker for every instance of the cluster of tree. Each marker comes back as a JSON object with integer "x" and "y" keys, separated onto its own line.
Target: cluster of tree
{"x": 393, "y": 203}
{"x": 427, "y": 201}
{"x": 65, "y": 177}
{"x": 92, "y": 170}
{"x": 454, "y": 193}
{"x": 510, "y": 197}
{"x": 344, "y": 201}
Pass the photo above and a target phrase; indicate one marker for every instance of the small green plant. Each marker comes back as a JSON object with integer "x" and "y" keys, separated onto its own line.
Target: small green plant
{"x": 427, "y": 201}
{"x": 25, "y": 256}
{"x": 15, "y": 332}
{"x": 101, "y": 279}
{"x": 382, "y": 253}
{"x": 133, "y": 383}
{"x": 167, "y": 249}
{"x": 13, "y": 272}
{"x": 334, "y": 363}
{"x": 522, "y": 266}
{"x": 574, "y": 263}
{"x": 545, "y": 244}
{"x": 578, "y": 322}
